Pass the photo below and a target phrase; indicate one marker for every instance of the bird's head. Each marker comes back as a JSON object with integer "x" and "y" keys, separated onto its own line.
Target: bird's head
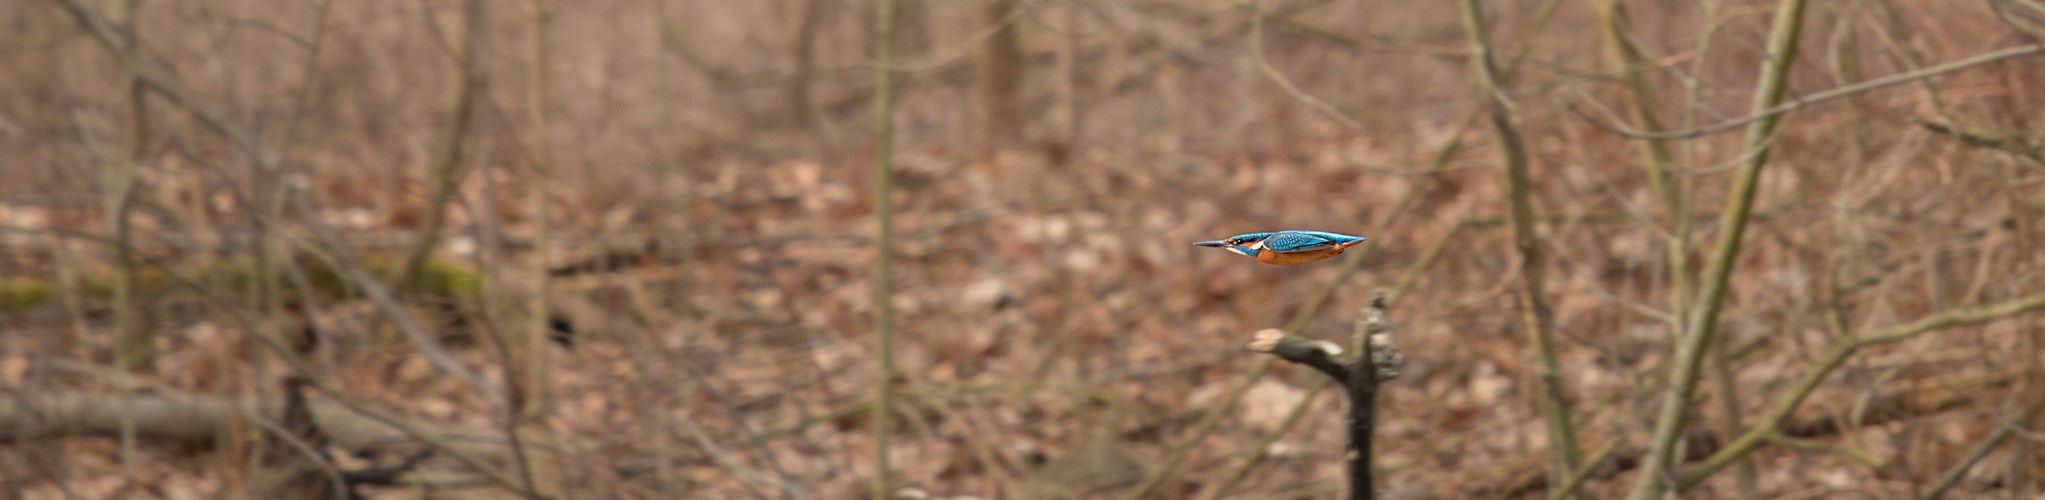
{"x": 1247, "y": 245}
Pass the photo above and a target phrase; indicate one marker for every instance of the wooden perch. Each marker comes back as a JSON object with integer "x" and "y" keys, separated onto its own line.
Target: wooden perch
{"x": 1326, "y": 357}
{"x": 1375, "y": 353}
{"x": 1319, "y": 354}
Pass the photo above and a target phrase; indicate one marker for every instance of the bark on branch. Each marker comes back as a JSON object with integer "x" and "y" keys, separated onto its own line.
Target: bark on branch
{"x": 1319, "y": 354}
{"x": 1797, "y": 104}
{"x": 1518, "y": 187}
{"x": 1375, "y": 353}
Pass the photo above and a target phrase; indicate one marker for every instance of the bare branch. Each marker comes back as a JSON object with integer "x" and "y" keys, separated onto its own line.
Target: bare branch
{"x": 882, "y": 183}
{"x": 1516, "y": 183}
{"x": 1701, "y": 327}
{"x": 1319, "y": 354}
{"x": 1796, "y": 104}
{"x": 1264, "y": 66}
{"x": 1981, "y": 449}
{"x": 246, "y": 142}
{"x": 1788, "y": 402}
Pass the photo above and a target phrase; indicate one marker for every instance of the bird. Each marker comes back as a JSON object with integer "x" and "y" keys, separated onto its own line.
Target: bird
{"x": 1286, "y": 248}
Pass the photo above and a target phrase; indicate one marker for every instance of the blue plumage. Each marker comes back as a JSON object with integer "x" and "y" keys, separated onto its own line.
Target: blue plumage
{"x": 1286, "y": 248}
{"x": 1299, "y": 241}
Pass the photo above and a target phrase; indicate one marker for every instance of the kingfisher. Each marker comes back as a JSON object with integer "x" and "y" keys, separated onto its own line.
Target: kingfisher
{"x": 1286, "y": 248}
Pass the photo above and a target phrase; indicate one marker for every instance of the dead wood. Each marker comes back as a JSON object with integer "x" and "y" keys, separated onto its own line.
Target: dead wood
{"x": 199, "y": 421}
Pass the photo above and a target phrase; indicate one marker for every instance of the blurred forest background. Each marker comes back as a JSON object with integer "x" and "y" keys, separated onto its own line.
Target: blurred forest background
{"x": 625, "y": 249}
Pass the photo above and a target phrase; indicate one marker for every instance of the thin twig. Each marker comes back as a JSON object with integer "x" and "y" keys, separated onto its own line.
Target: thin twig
{"x": 1365, "y": 42}
{"x": 249, "y": 145}
{"x": 1626, "y": 58}
{"x": 247, "y": 142}
{"x": 1702, "y": 325}
{"x": 965, "y": 48}
{"x": 1264, "y": 66}
{"x": 1568, "y": 488}
{"x": 2012, "y": 144}
{"x": 513, "y": 417}
{"x": 882, "y": 179}
{"x": 1788, "y": 402}
{"x": 1262, "y": 449}
{"x": 1952, "y": 476}
{"x": 299, "y": 367}
{"x": 1823, "y": 447}
{"x": 1513, "y": 176}
{"x": 787, "y": 483}
{"x": 1796, "y": 104}
{"x": 725, "y": 458}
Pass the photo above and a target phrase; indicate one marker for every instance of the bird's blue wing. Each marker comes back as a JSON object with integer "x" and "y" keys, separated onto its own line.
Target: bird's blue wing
{"x": 1338, "y": 237}
{"x": 1288, "y": 242}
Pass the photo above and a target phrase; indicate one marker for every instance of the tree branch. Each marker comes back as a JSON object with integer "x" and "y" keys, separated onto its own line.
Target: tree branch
{"x": 1789, "y": 401}
{"x": 1797, "y": 104}
{"x": 882, "y": 200}
{"x": 246, "y": 142}
{"x": 1318, "y": 354}
{"x": 1513, "y": 178}
{"x": 1375, "y": 352}
{"x": 1994, "y": 439}
{"x": 1702, "y": 325}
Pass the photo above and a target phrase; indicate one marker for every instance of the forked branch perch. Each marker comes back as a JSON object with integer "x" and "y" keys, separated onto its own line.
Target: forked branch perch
{"x": 1376, "y": 352}
{"x": 1320, "y": 354}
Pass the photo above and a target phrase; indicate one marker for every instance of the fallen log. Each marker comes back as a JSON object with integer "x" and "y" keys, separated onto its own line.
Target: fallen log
{"x": 200, "y": 421}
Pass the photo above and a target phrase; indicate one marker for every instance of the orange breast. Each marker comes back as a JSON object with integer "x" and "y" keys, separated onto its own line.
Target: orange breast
{"x": 1296, "y": 258}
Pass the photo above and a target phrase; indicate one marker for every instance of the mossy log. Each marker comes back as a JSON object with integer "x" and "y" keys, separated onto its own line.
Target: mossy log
{"x": 439, "y": 278}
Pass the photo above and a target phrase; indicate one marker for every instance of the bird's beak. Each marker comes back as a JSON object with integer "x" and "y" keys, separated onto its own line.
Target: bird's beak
{"x": 1212, "y": 243}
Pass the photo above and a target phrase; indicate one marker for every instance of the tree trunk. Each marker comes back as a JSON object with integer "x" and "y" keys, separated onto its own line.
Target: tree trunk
{"x": 543, "y": 462}
{"x": 134, "y": 347}
{"x": 448, "y": 152}
{"x": 998, "y": 74}
{"x": 802, "y": 55}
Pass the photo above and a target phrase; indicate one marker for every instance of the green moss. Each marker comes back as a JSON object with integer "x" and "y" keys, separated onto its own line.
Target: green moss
{"x": 22, "y": 294}
{"x": 323, "y": 277}
{"x": 446, "y": 279}
{"x": 439, "y": 277}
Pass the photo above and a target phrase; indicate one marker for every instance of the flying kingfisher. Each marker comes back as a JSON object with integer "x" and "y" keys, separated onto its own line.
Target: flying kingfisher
{"x": 1286, "y": 248}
